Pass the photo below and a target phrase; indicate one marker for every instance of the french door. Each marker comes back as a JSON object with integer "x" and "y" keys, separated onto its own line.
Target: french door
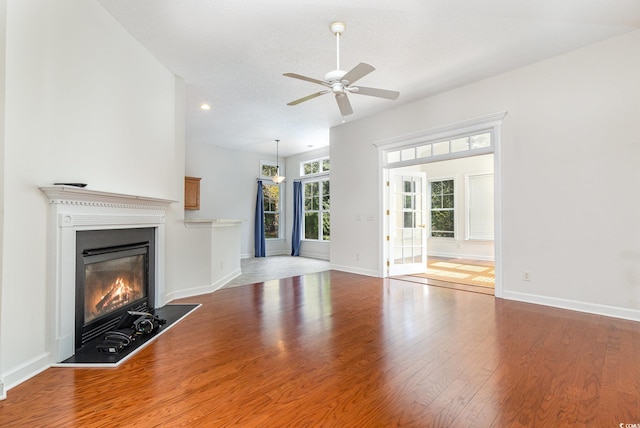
{"x": 407, "y": 228}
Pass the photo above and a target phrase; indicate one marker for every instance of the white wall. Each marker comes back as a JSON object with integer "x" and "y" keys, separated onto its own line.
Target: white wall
{"x": 570, "y": 156}
{"x": 3, "y": 38}
{"x": 210, "y": 259}
{"x": 86, "y": 103}
{"x": 228, "y": 190}
{"x": 355, "y": 181}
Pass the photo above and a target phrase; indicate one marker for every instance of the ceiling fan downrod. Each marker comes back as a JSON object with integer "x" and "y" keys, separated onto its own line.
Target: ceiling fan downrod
{"x": 337, "y": 28}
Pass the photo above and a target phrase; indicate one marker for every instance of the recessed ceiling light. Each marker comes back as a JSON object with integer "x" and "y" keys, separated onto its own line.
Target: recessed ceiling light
{"x": 205, "y": 106}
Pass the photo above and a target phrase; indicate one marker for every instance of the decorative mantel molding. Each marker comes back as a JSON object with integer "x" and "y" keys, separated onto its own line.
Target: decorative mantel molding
{"x": 80, "y": 196}
{"x": 73, "y": 209}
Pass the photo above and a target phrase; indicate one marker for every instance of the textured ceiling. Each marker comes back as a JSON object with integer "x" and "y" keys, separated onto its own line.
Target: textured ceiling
{"x": 232, "y": 54}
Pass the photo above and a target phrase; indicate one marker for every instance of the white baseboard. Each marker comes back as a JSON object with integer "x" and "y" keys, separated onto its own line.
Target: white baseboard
{"x": 591, "y": 308}
{"x": 267, "y": 254}
{"x": 25, "y": 371}
{"x": 3, "y": 393}
{"x": 460, "y": 256}
{"x": 356, "y": 270}
{"x": 317, "y": 256}
{"x": 278, "y": 253}
{"x": 190, "y": 292}
{"x": 204, "y": 289}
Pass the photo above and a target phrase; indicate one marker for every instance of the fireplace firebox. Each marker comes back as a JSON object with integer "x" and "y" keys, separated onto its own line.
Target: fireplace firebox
{"x": 114, "y": 274}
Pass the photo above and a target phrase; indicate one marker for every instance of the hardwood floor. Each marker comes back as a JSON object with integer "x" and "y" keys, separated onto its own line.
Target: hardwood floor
{"x": 479, "y": 273}
{"x": 334, "y": 349}
{"x": 477, "y": 276}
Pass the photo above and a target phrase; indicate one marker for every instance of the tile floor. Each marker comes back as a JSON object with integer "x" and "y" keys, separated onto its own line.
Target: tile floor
{"x": 260, "y": 269}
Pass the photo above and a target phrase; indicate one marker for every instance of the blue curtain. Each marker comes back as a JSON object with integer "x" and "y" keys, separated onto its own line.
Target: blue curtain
{"x": 296, "y": 237}
{"x": 259, "y": 239}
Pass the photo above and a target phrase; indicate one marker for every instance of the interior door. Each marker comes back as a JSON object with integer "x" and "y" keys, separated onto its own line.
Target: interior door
{"x": 407, "y": 200}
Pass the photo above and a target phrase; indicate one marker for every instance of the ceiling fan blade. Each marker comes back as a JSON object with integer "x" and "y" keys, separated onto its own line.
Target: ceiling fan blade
{"x": 358, "y": 72}
{"x": 375, "y": 92}
{"x": 307, "y": 79}
{"x": 308, "y": 97}
{"x": 343, "y": 104}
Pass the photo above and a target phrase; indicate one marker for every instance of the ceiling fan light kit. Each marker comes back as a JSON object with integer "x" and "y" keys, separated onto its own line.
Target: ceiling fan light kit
{"x": 339, "y": 82}
{"x": 337, "y": 27}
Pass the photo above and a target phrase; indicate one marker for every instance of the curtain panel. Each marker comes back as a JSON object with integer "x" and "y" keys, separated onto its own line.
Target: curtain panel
{"x": 296, "y": 233}
{"x": 259, "y": 239}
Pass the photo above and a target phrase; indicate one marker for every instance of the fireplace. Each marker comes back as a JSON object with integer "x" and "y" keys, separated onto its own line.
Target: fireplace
{"x": 74, "y": 211}
{"x": 114, "y": 274}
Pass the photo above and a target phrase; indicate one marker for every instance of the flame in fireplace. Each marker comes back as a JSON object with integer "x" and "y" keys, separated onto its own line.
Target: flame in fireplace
{"x": 112, "y": 284}
{"x": 119, "y": 294}
{"x": 115, "y": 297}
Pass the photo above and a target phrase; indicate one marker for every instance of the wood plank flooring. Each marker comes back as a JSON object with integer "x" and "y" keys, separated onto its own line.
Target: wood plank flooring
{"x": 334, "y": 349}
{"x": 479, "y": 273}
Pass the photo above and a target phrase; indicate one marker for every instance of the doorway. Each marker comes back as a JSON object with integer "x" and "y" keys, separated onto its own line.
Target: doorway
{"x": 441, "y": 223}
{"x": 465, "y": 139}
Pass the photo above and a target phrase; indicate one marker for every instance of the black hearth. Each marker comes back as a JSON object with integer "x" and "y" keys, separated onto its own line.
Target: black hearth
{"x": 114, "y": 274}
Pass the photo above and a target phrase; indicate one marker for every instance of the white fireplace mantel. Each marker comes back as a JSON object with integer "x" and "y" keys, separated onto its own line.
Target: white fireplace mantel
{"x": 80, "y": 195}
{"x": 73, "y": 209}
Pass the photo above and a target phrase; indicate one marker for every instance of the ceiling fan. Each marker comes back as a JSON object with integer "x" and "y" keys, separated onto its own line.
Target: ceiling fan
{"x": 340, "y": 82}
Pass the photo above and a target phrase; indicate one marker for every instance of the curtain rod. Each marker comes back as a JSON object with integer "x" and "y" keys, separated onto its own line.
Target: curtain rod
{"x": 295, "y": 180}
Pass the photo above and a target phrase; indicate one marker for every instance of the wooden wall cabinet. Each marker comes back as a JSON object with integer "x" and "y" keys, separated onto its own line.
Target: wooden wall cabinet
{"x": 192, "y": 193}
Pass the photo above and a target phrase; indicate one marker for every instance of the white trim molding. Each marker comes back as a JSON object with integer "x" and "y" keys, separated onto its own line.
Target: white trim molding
{"x": 574, "y": 305}
{"x": 25, "y": 371}
{"x": 462, "y": 127}
{"x": 355, "y": 270}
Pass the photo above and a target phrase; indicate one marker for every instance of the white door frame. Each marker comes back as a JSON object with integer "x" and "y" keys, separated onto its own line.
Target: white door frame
{"x": 406, "y": 268}
{"x": 491, "y": 122}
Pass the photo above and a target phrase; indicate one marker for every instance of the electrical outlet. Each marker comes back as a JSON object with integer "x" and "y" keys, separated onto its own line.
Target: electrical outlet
{"x": 526, "y": 275}
{"x": 357, "y": 256}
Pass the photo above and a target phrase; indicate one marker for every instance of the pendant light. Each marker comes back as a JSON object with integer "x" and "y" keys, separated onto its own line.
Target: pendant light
{"x": 277, "y": 178}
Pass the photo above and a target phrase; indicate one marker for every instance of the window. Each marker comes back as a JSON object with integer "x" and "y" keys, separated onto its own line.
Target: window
{"x": 317, "y": 221}
{"x": 480, "y": 207}
{"x": 271, "y": 194}
{"x": 455, "y": 147}
{"x": 442, "y": 209}
{"x": 269, "y": 169}
{"x": 316, "y": 166}
{"x": 272, "y": 200}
